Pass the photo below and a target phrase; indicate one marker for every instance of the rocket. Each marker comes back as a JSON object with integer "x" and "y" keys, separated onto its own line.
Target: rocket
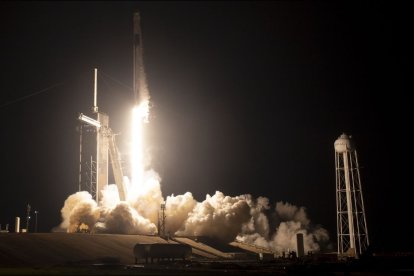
{"x": 140, "y": 83}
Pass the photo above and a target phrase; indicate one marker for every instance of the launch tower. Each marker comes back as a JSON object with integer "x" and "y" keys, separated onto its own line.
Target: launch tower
{"x": 105, "y": 148}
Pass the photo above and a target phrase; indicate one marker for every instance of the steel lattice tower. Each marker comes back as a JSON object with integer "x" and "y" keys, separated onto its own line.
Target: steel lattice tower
{"x": 351, "y": 223}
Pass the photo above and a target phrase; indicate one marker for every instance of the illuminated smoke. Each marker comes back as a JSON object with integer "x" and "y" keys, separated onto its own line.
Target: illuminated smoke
{"x": 291, "y": 220}
{"x": 217, "y": 216}
{"x": 226, "y": 218}
{"x": 79, "y": 208}
{"x": 149, "y": 198}
{"x": 124, "y": 219}
{"x": 242, "y": 218}
{"x": 177, "y": 210}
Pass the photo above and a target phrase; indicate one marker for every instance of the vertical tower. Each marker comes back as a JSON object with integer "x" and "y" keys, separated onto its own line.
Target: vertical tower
{"x": 350, "y": 214}
{"x": 105, "y": 149}
{"x": 101, "y": 143}
{"x": 102, "y": 157}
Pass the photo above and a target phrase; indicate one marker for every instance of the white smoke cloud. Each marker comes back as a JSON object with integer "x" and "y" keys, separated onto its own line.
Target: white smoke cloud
{"x": 123, "y": 219}
{"x": 148, "y": 199}
{"x": 240, "y": 218}
{"x": 110, "y": 196}
{"x": 292, "y": 220}
{"x": 217, "y": 216}
{"x": 178, "y": 208}
{"x": 79, "y": 208}
{"x": 223, "y": 217}
{"x": 287, "y": 212}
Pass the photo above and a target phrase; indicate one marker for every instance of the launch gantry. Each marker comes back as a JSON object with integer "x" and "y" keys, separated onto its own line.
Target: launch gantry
{"x": 105, "y": 147}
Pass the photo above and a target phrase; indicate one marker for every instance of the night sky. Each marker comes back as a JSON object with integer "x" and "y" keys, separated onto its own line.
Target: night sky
{"x": 247, "y": 97}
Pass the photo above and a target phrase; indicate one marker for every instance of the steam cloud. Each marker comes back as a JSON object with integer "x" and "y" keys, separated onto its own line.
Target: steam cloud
{"x": 227, "y": 218}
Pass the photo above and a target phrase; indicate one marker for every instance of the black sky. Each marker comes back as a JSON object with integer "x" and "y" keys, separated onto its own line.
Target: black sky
{"x": 248, "y": 97}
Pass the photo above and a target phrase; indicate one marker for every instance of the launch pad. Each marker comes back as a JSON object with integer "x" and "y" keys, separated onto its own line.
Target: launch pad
{"x": 88, "y": 254}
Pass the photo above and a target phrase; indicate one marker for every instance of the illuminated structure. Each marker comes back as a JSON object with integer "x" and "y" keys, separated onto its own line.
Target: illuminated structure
{"x": 351, "y": 223}
{"x": 105, "y": 143}
{"x": 105, "y": 139}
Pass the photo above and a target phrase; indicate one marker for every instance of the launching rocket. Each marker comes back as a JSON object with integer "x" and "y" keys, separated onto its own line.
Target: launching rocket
{"x": 140, "y": 82}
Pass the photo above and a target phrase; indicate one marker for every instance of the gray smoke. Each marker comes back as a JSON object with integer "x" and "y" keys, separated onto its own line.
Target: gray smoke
{"x": 291, "y": 221}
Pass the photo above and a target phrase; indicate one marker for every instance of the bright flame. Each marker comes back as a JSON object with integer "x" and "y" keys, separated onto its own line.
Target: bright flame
{"x": 140, "y": 115}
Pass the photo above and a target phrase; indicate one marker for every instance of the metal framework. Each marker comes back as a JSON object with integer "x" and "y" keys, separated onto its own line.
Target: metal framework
{"x": 87, "y": 168}
{"x": 351, "y": 222}
{"x": 105, "y": 149}
{"x": 91, "y": 178}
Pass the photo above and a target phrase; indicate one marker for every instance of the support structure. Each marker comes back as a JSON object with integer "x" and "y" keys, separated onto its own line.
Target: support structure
{"x": 351, "y": 223}
{"x": 105, "y": 149}
{"x": 102, "y": 158}
{"x": 116, "y": 166}
{"x": 80, "y": 158}
{"x": 92, "y": 178}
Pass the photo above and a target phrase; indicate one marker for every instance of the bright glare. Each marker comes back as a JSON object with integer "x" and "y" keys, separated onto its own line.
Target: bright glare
{"x": 139, "y": 117}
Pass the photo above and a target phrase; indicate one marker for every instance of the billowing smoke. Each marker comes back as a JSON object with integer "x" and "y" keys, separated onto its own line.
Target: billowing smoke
{"x": 291, "y": 220}
{"x": 226, "y": 218}
{"x": 217, "y": 216}
{"x": 79, "y": 208}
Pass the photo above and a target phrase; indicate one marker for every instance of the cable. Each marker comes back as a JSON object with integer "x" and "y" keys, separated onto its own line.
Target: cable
{"x": 115, "y": 80}
{"x": 31, "y": 95}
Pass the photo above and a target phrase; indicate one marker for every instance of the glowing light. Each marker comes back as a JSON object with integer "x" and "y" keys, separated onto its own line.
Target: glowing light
{"x": 139, "y": 117}
{"x": 89, "y": 120}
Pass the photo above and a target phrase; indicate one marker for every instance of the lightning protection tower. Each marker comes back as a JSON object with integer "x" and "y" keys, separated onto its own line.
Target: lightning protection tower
{"x": 351, "y": 223}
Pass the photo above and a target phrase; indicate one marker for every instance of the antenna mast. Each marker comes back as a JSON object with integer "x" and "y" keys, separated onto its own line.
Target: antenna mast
{"x": 95, "y": 92}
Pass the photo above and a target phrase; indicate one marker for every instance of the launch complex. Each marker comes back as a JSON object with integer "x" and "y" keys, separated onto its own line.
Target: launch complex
{"x": 159, "y": 251}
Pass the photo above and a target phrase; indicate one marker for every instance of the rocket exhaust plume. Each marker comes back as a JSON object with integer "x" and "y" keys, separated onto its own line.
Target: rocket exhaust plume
{"x": 140, "y": 87}
{"x": 242, "y": 218}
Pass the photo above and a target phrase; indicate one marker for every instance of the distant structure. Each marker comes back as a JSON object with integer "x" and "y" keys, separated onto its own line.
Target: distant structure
{"x": 28, "y": 208}
{"x": 351, "y": 223}
{"x": 300, "y": 246}
{"x": 161, "y": 221}
{"x": 5, "y": 230}
{"x": 17, "y": 225}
